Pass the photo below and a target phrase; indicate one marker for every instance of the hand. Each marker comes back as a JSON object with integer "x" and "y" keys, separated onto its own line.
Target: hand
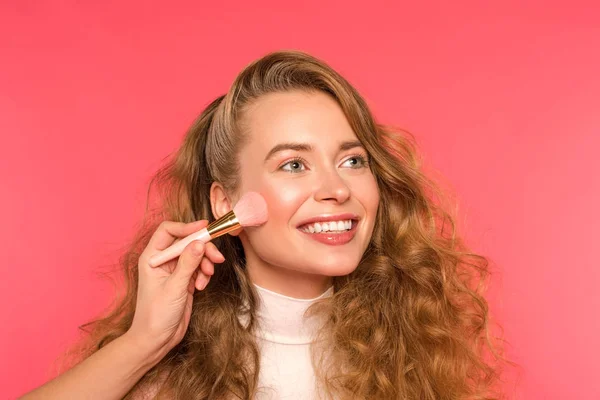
{"x": 165, "y": 292}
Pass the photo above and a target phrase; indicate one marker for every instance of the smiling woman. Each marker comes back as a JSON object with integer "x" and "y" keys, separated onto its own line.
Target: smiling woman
{"x": 353, "y": 289}
{"x": 315, "y": 171}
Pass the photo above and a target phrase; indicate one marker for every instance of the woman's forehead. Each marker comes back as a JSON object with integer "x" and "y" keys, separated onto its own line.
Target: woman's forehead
{"x": 313, "y": 119}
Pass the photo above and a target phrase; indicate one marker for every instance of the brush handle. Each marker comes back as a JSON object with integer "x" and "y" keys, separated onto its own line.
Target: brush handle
{"x": 176, "y": 249}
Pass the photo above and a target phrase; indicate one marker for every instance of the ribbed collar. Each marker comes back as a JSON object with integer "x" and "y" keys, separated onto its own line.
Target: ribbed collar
{"x": 281, "y": 318}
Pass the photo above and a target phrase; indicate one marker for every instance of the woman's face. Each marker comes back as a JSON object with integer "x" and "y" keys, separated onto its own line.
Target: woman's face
{"x": 304, "y": 158}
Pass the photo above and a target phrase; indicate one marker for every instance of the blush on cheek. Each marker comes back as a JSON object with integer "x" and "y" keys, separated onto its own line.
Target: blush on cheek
{"x": 288, "y": 195}
{"x": 284, "y": 199}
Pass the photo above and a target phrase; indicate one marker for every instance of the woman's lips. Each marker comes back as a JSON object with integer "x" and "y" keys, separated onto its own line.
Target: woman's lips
{"x": 333, "y": 238}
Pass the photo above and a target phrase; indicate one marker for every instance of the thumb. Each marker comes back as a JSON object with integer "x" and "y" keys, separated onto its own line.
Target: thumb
{"x": 188, "y": 262}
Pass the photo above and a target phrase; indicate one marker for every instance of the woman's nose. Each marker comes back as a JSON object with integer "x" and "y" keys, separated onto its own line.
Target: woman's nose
{"x": 332, "y": 187}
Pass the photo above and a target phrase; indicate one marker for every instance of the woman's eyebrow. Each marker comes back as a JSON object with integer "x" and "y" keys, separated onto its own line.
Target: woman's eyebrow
{"x": 307, "y": 147}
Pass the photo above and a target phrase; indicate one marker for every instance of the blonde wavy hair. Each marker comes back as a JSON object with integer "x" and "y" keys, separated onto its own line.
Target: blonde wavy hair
{"x": 410, "y": 322}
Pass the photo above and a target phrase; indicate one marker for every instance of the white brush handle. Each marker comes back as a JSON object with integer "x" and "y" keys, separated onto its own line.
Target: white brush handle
{"x": 176, "y": 249}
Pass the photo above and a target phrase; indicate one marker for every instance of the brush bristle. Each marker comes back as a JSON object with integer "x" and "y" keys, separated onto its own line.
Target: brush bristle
{"x": 251, "y": 210}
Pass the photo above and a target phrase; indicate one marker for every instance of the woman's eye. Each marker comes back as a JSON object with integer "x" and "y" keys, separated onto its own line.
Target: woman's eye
{"x": 298, "y": 165}
{"x": 294, "y": 166}
{"x": 356, "y": 161}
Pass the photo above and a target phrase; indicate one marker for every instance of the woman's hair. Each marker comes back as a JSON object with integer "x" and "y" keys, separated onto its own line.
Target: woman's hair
{"x": 410, "y": 322}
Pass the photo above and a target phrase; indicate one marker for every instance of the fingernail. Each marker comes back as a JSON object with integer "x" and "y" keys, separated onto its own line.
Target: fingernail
{"x": 201, "y": 280}
{"x": 204, "y": 283}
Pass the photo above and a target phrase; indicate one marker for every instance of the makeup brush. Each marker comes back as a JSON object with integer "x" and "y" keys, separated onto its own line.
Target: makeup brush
{"x": 250, "y": 210}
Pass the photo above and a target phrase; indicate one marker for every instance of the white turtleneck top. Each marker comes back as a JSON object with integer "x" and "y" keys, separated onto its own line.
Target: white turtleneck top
{"x": 284, "y": 338}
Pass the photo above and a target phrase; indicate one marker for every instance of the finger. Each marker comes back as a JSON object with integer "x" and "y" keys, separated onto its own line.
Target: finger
{"x": 195, "y": 274}
{"x": 207, "y": 267}
{"x": 188, "y": 262}
{"x": 211, "y": 251}
{"x": 168, "y": 231}
{"x": 202, "y": 280}
{"x": 192, "y": 282}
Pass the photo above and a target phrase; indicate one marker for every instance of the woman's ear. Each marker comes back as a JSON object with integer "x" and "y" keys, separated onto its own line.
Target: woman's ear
{"x": 220, "y": 203}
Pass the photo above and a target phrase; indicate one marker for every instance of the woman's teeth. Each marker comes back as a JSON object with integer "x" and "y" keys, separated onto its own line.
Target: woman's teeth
{"x": 332, "y": 226}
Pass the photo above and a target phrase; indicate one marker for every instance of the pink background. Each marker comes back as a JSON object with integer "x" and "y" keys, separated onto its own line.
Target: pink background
{"x": 504, "y": 99}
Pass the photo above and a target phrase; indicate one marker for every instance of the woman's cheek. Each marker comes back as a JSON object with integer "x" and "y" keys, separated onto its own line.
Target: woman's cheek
{"x": 285, "y": 197}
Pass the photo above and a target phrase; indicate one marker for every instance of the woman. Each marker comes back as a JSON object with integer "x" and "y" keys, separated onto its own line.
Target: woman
{"x": 392, "y": 308}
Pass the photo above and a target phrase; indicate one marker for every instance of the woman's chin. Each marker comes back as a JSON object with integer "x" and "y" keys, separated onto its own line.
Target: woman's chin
{"x": 337, "y": 269}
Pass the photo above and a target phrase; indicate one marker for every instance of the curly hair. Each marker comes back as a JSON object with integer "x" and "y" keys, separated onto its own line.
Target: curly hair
{"x": 410, "y": 322}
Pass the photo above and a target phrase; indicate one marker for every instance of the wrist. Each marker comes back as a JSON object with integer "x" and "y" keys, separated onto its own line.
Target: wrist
{"x": 148, "y": 351}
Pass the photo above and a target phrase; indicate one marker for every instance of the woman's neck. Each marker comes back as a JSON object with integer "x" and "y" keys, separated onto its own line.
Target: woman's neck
{"x": 299, "y": 285}
{"x": 282, "y": 319}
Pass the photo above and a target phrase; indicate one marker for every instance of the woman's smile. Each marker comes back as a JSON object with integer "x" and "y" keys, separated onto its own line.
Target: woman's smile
{"x": 331, "y": 230}
{"x": 339, "y": 236}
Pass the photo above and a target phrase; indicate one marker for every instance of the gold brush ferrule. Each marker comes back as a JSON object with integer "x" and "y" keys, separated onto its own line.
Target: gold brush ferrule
{"x": 223, "y": 225}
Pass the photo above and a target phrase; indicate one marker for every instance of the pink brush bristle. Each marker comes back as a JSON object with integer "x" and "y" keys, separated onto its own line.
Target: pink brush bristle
{"x": 251, "y": 210}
